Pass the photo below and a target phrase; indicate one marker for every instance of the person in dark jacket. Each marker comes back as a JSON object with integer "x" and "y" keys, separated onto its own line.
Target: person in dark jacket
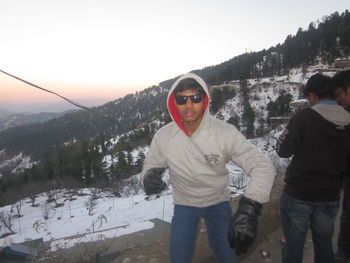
{"x": 342, "y": 96}
{"x": 318, "y": 138}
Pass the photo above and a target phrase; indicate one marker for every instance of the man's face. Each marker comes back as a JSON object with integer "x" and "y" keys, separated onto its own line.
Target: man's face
{"x": 312, "y": 98}
{"x": 191, "y": 112}
{"x": 343, "y": 97}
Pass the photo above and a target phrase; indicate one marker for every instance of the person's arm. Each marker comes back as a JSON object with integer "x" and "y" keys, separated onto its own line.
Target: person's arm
{"x": 347, "y": 172}
{"x": 288, "y": 141}
{"x": 255, "y": 164}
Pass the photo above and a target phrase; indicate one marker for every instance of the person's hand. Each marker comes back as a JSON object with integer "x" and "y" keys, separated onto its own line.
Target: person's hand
{"x": 152, "y": 181}
{"x": 244, "y": 224}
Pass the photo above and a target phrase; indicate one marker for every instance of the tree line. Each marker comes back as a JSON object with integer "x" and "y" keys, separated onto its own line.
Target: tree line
{"x": 328, "y": 40}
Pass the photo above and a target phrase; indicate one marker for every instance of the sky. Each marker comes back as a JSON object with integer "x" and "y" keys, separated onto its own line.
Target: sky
{"x": 105, "y": 49}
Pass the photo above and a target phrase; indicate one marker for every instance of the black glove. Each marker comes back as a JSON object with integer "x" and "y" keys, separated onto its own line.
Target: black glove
{"x": 244, "y": 225}
{"x": 152, "y": 181}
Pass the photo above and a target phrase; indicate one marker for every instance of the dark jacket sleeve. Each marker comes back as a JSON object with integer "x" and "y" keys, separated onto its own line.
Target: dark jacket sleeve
{"x": 288, "y": 142}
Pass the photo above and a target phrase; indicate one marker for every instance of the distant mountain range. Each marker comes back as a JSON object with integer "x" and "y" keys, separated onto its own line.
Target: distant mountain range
{"x": 10, "y": 119}
{"x": 52, "y": 106}
{"x": 4, "y": 113}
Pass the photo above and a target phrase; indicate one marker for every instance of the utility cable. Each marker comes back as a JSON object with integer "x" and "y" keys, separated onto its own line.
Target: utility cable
{"x": 69, "y": 100}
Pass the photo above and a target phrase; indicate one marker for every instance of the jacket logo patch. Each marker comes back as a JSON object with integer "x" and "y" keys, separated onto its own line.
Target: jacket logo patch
{"x": 341, "y": 127}
{"x": 212, "y": 159}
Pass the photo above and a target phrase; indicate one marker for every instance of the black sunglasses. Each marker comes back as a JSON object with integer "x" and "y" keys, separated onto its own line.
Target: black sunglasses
{"x": 195, "y": 98}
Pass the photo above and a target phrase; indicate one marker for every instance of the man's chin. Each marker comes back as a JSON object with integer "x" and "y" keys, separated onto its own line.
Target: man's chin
{"x": 188, "y": 119}
{"x": 191, "y": 119}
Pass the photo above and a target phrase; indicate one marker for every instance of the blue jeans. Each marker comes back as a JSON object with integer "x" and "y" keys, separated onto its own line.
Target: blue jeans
{"x": 344, "y": 234}
{"x": 184, "y": 229}
{"x": 296, "y": 217}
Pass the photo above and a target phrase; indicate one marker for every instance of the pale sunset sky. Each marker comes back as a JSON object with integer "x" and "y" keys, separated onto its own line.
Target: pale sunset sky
{"x": 110, "y": 48}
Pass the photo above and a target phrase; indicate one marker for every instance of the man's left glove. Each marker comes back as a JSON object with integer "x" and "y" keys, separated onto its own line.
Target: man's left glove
{"x": 244, "y": 225}
{"x": 152, "y": 181}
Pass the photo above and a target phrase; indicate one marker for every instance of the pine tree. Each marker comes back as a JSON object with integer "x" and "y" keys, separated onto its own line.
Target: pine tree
{"x": 140, "y": 158}
{"x": 248, "y": 118}
{"x": 122, "y": 166}
{"x": 217, "y": 100}
{"x": 234, "y": 120}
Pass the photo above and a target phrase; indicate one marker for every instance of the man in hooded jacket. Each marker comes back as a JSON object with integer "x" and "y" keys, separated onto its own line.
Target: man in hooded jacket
{"x": 318, "y": 139}
{"x": 196, "y": 147}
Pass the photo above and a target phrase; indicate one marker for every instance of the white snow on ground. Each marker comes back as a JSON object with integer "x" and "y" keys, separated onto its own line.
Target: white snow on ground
{"x": 111, "y": 217}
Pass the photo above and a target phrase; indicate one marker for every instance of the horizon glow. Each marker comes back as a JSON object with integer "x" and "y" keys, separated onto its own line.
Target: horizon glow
{"x": 110, "y": 48}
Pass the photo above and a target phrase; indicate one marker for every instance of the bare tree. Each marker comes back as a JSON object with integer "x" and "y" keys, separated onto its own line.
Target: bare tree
{"x": 6, "y": 221}
{"x": 240, "y": 182}
{"x": 39, "y": 225}
{"x": 116, "y": 188}
{"x": 46, "y": 210}
{"x": 50, "y": 196}
{"x": 18, "y": 206}
{"x": 57, "y": 194}
{"x": 95, "y": 192}
{"x": 32, "y": 199}
{"x": 90, "y": 205}
{"x": 100, "y": 219}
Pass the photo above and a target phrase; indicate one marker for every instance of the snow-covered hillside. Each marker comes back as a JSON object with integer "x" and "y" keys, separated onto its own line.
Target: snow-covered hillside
{"x": 265, "y": 90}
{"x": 262, "y": 91}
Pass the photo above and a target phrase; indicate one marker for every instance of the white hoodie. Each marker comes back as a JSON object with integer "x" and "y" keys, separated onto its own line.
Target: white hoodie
{"x": 197, "y": 164}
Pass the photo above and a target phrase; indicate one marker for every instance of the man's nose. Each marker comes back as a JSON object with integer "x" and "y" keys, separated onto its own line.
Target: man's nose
{"x": 188, "y": 102}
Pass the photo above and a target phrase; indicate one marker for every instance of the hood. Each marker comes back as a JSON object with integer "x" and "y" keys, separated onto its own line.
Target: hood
{"x": 335, "y": 119}
{"x": 171, "y": 98}
{"x": 333, "y": 113}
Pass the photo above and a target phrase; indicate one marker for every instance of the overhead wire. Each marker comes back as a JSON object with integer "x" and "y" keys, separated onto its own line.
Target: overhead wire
{"x": 55, "y": 93}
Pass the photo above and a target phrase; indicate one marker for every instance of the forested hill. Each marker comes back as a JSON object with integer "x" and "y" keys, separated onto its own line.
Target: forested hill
{"x": 127, "y": 113}
{"x": 325, "y": 41}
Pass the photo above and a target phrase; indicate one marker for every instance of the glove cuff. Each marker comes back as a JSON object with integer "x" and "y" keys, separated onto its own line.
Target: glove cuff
{"x": 249, "y": 206}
